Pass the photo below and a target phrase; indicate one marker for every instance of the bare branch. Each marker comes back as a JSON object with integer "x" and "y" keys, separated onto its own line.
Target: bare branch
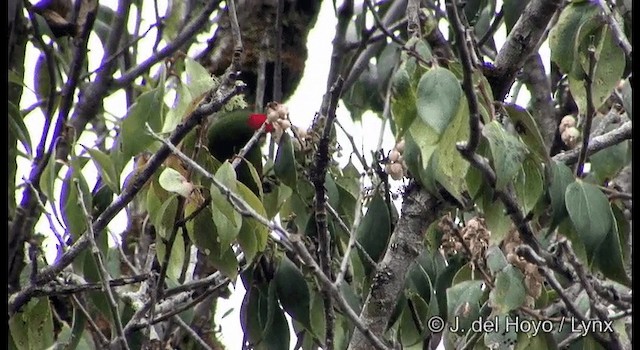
{"x": 192, "y": 333}
{"x": 613, "y": 137}
{"x": 591, "y": 110}
{"x": 185, "y": 35}
{"x": 102, "y": 272}
{"x": 467, "y": 82}
{"x": 522, "y": 41}
{"x": 618, "y": 34}
{"x": 419, "y": 210}
{"x": 208, "y": 106}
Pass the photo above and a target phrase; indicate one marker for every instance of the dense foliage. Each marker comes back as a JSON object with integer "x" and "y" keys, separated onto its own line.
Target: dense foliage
{"x": 512, "y": 228}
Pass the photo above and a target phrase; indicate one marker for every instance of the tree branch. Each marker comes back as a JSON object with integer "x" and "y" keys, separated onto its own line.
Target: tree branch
{"x": 102, "y": 273}
{"x": 613, "y": 137}
{"x": 618, "y": 33}
{"x": 419, "y": 210}
{"x": 228, "y": 88}
{"x": 522, "y": 41}
{"x": 541, "y": 104}
{"x": 185, "y": 35}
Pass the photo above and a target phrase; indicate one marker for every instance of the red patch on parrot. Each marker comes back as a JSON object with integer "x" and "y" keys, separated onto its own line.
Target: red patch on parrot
{"x": 255, "y": 121}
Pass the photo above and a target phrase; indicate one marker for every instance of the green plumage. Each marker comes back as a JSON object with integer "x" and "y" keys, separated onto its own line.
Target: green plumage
{"x": 227, "y": 135}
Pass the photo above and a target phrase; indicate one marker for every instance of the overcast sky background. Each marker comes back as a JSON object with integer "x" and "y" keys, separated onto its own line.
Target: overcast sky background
{"x": 302, "y": 106}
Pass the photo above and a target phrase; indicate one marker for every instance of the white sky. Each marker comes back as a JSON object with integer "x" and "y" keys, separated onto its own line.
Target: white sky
{"x": 302, "y": 106}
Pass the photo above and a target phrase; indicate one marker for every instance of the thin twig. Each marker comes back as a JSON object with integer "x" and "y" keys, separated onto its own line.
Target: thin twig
{"x": 586, "y": 129}
{"x": 618, "y": 34}
{"x": 102, "y": 272}
{"x": 185, "y": 35}
{"x": 120, "y": 51}
{"x": 277, "y": 64}
{"x": 613, "y": 137}
{"x": 355, "y": 151}
{"x": 497, "y": 21}
{"x": 208, "y": 106}
{"x": 352, "y": 236}
{"x": 192, "y": 333}
{"x": 317, "y": 177}
{"x": 614, "y": 342}
{"x": 245, "y": 209}
{"x": 357, "y": 244}
{"x": 467, "y": 82}
{"x": 101, "y": 337}
{"x": 237, "y": 38}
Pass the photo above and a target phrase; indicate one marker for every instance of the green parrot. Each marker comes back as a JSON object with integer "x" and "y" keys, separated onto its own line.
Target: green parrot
{"x": 229, "y": 132}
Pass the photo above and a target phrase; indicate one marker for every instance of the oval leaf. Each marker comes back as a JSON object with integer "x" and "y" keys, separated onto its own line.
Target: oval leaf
{"x": 285, "y": 163}
{"x": 509, "y": 291}
{"x": 590, "y": 214}
{"x": 374, "y": 230}
{"x": 293, "y": 292}
{"x": 227, "y": 220}
{"x": 438, "y": 98}
{"x": 172, "y": 181}
{"x": 507, "y": 151}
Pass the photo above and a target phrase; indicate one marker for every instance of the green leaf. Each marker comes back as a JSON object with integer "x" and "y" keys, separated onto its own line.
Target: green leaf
{"x": 201, "y": 229}
{"x": 199, "y": 80}
{"x": 33, "y": 327}
{"x": 503, "y": 334}
{"x": 527, "y": 129}
{"x": 285, "y": 163}
{"x": 102, "y": 24}
{"x": 509, "y": 291}
{"x": 438, "y": 98}
{"x": 262, "y": 320}
{"x": 403, "y": 100}
{"x": 172, "y": 181}
{"x": 72, "y": 213}
{"x": 512, "y": 11}
{"x": 293, "y": 292}
{"x": 228, "y": 221}
{"x": 528, "y": 184}
{"x": 275, "y": 199}
{"x": 42, "y": 81}
{"x": 177, "y": 257}
{"x": 609, "y": 256}
{"x": 507, "y": 152}
{"x": 176, "y": 11}
{"x": 463, "y": 303}
{"x": 107, "y": 169}
{"x": 164, "y": 217}
{"x": 148, "y": 108}
{"x": 610, "y": 64}
{"x": 561, "y": 177}
{"x": 253, "y": 235}
{"x": 562, "y": 37}
{"x": 420, "y": 144}
{"x": 18, "y": 129}
{"x": 451, "y": 168}
{"x": 374, "y": 230}
{"x": 607, "y": 163}
{"x": 496, "y": 261}
{"x": 496, "y": 218}
{"x": 590, "y": 214}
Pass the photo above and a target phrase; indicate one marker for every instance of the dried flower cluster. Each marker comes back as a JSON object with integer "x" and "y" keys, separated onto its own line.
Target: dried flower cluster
{"x": 532, "y": 278}
{"x": 475, "y": 236}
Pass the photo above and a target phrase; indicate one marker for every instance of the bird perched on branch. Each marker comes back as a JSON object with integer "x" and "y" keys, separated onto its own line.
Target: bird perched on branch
{"x": 229, "y": 133}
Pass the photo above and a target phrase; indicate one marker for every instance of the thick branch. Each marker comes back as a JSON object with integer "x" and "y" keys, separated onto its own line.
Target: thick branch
{"x": 419, "y": 210}
{"x": 541, "y": 104}
{"x": 523, "y": 40}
